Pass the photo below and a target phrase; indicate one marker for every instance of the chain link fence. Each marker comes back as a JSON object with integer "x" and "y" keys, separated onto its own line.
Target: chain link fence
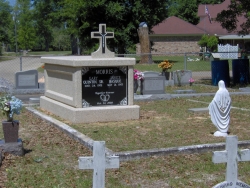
{"x": 199, "y": 63}
{"x": 9, "y": 65}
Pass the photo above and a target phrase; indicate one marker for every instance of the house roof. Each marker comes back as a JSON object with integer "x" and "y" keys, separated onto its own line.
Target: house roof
{"x": 234, "y": 37}
{"x": 215, "y": 28}
{"x": 176, "y": 26}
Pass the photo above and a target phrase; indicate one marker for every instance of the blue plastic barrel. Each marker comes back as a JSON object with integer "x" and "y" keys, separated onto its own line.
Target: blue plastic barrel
{"x": 240, "y": 71}
{"x": 220, "y": 71}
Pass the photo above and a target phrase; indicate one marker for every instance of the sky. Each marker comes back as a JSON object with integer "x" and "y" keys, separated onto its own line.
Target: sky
{"x": 12, "y": 2}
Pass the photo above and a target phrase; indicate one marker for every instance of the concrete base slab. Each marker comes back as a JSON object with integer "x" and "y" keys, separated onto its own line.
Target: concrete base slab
{"x": 169, "y": 83}
{"x": 184, "y": 91}
{"x": 218, "y": 133}
{"x": 90, "y": 114}
{"x": 15, "y": 148}
{"x": 34, "y": 100}
{"x": 199, "y": 110}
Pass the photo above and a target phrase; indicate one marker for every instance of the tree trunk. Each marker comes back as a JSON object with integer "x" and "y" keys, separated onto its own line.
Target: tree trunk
{"x": 46, "y": 45}
{"x": 145, "y": 45}
{"x": 74, "y": 45}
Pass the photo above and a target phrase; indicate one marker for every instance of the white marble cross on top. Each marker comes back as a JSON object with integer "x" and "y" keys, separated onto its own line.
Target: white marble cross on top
{"x": 231, "y": 156}
{"x": 99, "y": 162}
{"x": 102, "y": 51}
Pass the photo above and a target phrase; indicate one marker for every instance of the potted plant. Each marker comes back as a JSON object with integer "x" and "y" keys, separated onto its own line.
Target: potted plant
{"x": 137, "y": 76}
{"x": 10, "y": 105}
{"x": 165, "y": 66}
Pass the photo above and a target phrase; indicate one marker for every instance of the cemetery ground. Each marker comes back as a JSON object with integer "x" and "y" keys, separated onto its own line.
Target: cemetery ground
{"x": 51, "y": 158}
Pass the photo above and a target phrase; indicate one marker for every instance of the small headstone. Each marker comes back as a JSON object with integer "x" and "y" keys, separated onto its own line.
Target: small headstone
{"x": 26, "y": 79}
{"x": 182, "y": 77}
{"x": 219, "y": 110}
{"x": 99, "y": 163}
{"x": 153, "y": 83}
{"x": 231, "y": 156}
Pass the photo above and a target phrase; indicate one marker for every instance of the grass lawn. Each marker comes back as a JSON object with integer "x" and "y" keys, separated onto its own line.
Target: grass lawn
{"x": 49, "y": 53}
{"x": 52, "y": 157}
{"x": 201, "y": 65}
{"x": 39, "y": 53}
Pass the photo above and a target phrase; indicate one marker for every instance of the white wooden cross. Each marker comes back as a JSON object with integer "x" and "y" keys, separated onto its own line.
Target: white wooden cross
{"x": 231, "y": 156}
{"x": 99, "y": 162}
{"x": 102, "y": 35}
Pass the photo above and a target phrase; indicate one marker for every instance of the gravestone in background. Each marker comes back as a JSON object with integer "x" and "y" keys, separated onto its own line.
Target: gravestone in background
{"x": 153, "y": 83}
{"x": 181, "y": 77}
{"x": 26, "y": 79}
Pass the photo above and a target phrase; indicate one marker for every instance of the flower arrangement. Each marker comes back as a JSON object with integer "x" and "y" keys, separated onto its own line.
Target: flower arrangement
{"x": 138, "y": 75}
{"x": 165, "y": 65}
{"x": 191, "y": 81}
{"x": 10, "y": 105}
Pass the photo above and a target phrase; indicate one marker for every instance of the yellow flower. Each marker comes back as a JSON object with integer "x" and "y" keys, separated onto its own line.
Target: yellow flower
{"x": 165, "y": 65}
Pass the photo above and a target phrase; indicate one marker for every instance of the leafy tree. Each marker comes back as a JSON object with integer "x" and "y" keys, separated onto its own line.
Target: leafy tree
{"x": 187, "y": 9}
{"x": 121, "y": 16}
{"x": 210, "y": 42}
{"x": 61, "y": 40}
{"x": 5, "y": 20}
{"x": 229, "y": 18}
{"x": 26, "y": 30}
{"x": 45, "y": 17}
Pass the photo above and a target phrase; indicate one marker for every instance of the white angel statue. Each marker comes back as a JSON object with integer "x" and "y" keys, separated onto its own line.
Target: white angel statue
{"x": 219, "y": 110}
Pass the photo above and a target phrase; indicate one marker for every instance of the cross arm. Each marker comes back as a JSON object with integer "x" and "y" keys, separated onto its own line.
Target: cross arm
{"x": 112, "y": 162}
{"x": 86, "y": 163}
{"x": 219, "y": 157}
{"x": 243, "y": 155}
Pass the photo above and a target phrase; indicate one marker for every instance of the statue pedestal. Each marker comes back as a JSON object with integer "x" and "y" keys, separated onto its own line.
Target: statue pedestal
{"x": 218, "y": 133}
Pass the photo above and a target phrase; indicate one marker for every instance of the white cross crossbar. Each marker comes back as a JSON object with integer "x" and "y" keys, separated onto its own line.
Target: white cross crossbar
{"x": 99, "y": 162}
{"x": 231, "y": 156}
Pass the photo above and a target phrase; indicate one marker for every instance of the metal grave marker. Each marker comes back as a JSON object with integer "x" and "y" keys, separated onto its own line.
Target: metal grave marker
{"x": 104, "y": 86}
{"x": 231, "y": 156}
{"x": 99, "y": 162}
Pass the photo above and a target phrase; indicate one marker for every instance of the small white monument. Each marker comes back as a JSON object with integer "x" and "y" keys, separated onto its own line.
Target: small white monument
{"x": 219, "y": 110}
{"x": 99, "y": 162}
{"x": 231, "y": 156}
{"x": 96, "y": 88}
